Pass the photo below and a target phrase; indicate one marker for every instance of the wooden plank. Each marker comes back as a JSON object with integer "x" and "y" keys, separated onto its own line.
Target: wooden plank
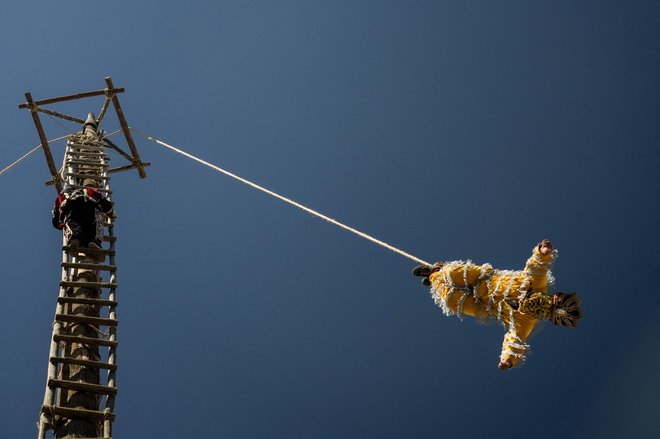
{"x": 77, "y": 168}
{"x": 75, "y": 284}
{"x": 84, "y": 340}
{"x": 60, "y": 115}
{"x": 86, "y": 153}
{"x": 121, "y": 152}
{"x": 96, "y": 158}
{"x": 86, "y": 150}
{"x": 44, "y": 145}
{"x": 87, "y": 301}
{"x": 127, "y": 132}
{"x": 77, "y": 186}
{"x": 73, "y": 413}
{"x": 71, "y": 318}
{"x": 87, "y": 251}
{"x": 104, "y": 108}
{"x": 97, "y": 177}
{"x": 82, "y": 387}
{"x": 85, "y": 141}
{"x": 86, "y": 363}
{"x": 87, "y": 94}
{"x": 87, "y": 162}
{"x": 94, "y": 147}
{"x": 87, "y": 266}
{"x": 127, "y": 168}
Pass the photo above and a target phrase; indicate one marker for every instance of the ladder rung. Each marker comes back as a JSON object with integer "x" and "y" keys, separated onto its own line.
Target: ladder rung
{"x": 87, "y": 266}
{"x": 82, "y": 284}
{"x": 87, "y": 301}
{"x": 85, "y": 147}
{"x": 86, "y": 142}
{"x": 72, "y": 318}
{"x": 84, "y": 170}
{"x": 92, "y": 144}
{"x": 83, "y": 387}
{"x": 100, "y": 177}
{"x": 77, "y": 413}
{"x": 87, "y": 156}
{"x": 88, "y": 153}
{"x": 106, "y": 191}
{"x": 107, "y": 238}
{"x": 86, "y": 363}
{"x": 86, "y": 162}
{"x": 95, "y": 160}
{"x": 84, "y": 340}
{"x": 77, "y": 168}
{"x": 88, "y": 251}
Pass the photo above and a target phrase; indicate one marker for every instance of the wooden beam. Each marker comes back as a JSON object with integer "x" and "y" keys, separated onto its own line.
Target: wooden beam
{"x": 76, "y": 186}
{"x": 81, "y": 319}
{"x": 44, "y": 143}
{"x": 86, "y": 363}
{"x": 72, "y": 97}
{"x": 83, "y": 284}
{"x": 94, "y": 176}
{"x": 87, "y": 266}
{"x": 82, "y": 386}
{"x": 121, "y": 152}
{"x": 104, "y": 108}
{"x": 87, "y": 301}
{"x": 76, "y": 412}
{"x": 84, "y": 340}
{"x": 127, "y": 168}
{"x": 60, "y": 115}
{"x": 124, "y": 127}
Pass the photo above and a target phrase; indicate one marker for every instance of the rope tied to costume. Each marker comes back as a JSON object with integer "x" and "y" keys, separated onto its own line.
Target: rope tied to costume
{"x": 285, "y": 199}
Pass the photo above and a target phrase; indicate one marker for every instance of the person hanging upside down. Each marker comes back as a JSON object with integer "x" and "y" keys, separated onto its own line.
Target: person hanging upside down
{"x": 517, "y": 299}
{"x": 80, "y": 213}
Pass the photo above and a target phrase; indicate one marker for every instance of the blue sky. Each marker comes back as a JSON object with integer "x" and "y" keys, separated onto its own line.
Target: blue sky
{"x": 451, "y": 129}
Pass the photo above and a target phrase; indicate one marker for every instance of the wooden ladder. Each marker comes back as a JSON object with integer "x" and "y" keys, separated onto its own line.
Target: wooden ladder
{"x": 81, "y": 384}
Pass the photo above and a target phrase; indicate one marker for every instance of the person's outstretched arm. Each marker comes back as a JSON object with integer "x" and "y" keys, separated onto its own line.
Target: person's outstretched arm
{"x": 538, "y": 265}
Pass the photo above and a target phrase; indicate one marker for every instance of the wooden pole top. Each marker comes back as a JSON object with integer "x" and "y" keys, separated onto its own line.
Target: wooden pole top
{"x": 110, "y": 92}
{"x": 87, "y": 94}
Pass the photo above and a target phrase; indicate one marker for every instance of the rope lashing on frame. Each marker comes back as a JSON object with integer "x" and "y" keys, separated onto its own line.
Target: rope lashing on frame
{"x": 286, "y": 200}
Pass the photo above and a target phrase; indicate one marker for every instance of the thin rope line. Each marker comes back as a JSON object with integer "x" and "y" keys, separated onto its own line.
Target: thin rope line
{"x": 60, "y": 123}
{"x": 112, "y": 133}
{"x": 286, "y": 200}
{"x": 39, "y": 146}
{"x": 29, "y": 154}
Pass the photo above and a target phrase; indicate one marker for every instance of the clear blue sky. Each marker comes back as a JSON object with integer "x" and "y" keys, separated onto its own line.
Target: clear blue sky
{"x": 451, "y": 129}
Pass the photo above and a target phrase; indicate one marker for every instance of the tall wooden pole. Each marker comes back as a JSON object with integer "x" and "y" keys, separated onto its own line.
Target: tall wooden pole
{"x": 80, "y": 399}
{"x": 81, "y": 383}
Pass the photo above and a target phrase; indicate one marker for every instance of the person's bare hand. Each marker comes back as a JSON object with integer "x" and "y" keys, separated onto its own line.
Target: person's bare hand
{"x": 505, "y": 365}
{"x": 545, "y": 247}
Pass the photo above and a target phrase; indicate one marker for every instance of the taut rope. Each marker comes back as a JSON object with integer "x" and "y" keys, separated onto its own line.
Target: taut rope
{"x": 285, "y": 199}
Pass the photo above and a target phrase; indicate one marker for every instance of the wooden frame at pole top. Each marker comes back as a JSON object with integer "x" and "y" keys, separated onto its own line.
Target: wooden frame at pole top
{"x": 110, "y": 92}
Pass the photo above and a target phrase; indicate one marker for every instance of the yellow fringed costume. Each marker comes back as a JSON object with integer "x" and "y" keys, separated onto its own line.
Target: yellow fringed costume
{"x": 517, "y": 299}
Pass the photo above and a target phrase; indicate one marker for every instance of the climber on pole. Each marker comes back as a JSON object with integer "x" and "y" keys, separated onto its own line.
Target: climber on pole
{"x": 80, "y": 213}
{"x": 517, "y": 299}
